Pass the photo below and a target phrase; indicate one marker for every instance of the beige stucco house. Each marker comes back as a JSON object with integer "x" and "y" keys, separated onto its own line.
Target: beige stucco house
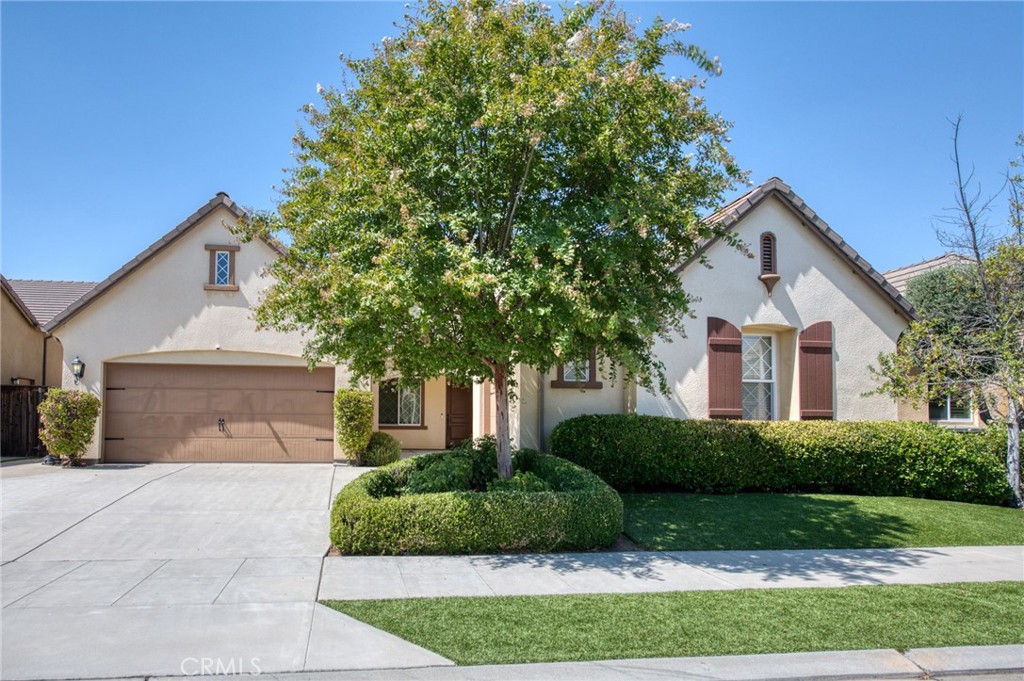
{"x": 171, "y": 348}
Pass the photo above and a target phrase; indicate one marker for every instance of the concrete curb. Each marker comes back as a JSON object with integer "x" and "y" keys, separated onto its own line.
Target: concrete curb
{"x": 999, "y": 661}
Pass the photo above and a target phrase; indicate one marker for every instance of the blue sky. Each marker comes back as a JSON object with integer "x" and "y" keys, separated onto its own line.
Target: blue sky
{"x": 120, "y": 119}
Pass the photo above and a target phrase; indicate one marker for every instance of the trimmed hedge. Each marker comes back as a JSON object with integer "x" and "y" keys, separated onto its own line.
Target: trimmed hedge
{"x": 68, "y": 419}
{"x": 353, "y": 421}
{"x": 371, "y": 515}
{"x": 879, "y": 458}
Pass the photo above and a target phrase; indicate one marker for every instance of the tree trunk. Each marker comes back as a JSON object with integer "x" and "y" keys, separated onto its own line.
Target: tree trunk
{"x": 501, "y": 423}
{"x": 1013, "y": 453}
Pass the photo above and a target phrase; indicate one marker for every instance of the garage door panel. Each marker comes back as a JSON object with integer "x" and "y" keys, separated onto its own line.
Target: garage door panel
{"x": 172, "y": 412}
{"x": 205, "y": 425}
{"x": 166, "y": 450}
{"x": 226, "y": 401}
{"x": 218, "y": 377}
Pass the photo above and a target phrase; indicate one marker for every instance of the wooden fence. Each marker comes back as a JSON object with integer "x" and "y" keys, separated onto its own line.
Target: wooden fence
{"x": 19, "y": 420}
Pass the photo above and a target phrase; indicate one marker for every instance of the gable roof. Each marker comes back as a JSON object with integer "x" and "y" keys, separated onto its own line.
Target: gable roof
{"x": 901, "y": 276}
{"x": 18, "y": 302}
{"x": 218, "y": 201}
{"x": 726, "y": 217}
{"x": 47, "y": 299}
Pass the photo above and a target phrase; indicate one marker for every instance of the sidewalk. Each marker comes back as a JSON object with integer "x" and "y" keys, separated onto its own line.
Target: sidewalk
{"x": 991, "y": 663}
{"x": 371, "y": 577}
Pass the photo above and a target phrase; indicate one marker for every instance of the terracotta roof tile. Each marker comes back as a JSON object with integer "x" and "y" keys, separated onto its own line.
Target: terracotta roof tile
{"x": 47, "y": 299}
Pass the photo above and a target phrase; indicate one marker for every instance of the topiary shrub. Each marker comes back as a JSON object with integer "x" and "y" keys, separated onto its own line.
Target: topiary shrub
{"x": 69, "y": 421}
{"x": 381, "y": 450}
{"x": 353, "y": 421}
{"x": 572, "y": 510}
{"x": 883, "y": 458}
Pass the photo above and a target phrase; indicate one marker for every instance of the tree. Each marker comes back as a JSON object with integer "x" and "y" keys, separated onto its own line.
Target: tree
{"x": 499, "y": 185}
{"x": 969, "y": 342}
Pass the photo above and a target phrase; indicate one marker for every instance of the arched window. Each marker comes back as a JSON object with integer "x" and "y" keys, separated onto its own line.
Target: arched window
{"x": 768, "y": 263}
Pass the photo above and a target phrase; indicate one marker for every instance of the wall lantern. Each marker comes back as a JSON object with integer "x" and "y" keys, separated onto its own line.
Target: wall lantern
{"x": 77, "y": 369}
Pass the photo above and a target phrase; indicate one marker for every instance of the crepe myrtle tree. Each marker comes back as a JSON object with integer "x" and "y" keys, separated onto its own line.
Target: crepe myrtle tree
{"x": 969, "y": 342}
{"x": 496, "y": 185}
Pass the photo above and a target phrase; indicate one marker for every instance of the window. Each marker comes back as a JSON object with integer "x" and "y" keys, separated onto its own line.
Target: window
{"x": 579, "y": 375}
{"x": 222, "y": 268}
{"x": 950, "y": 409}
{"x": 768, "y": 264}
{"x": 758, "y": 378}
{"x": 399, "y": 405}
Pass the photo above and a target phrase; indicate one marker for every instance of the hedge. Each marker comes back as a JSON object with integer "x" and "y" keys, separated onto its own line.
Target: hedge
{"x": 879, "y": 458}
{"x": 68, "y": 419}
{"x": 580, "y": 512}
{"x": 381, "y": 450}
{"x": 353, "y": 421}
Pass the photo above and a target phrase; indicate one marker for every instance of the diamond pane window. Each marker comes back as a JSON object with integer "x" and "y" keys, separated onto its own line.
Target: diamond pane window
{"x": 222, "y": 269}
{"x": 758, "y": 379}
{"x": 577, "y": 371}
{"x": 398, "y": 406}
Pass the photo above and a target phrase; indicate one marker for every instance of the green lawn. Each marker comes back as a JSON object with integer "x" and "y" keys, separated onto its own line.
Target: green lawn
{"x": 504, "y": 630}
{"x": 684, "y": 522}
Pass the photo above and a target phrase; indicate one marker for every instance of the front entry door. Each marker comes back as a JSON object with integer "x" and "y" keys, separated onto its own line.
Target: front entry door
{"x": 460, "y": 415}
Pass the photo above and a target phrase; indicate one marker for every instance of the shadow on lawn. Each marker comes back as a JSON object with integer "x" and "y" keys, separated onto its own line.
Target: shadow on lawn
{"x": 700, "y": 522}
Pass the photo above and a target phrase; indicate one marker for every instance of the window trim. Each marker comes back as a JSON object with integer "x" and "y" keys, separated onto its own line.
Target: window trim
{"x": 774, "y": 382}
{"x": 214, "y": 249}
{"x": 949, "y": 411}
{"x": 590, "y": 384}
{"x": 402, "y": 426}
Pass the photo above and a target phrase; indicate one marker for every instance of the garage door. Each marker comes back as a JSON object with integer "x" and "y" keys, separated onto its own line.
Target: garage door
{"x": 164, "y": 412}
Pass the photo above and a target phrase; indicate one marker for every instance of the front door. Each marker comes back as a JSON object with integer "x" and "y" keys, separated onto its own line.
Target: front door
{"x": 460, "y": 415}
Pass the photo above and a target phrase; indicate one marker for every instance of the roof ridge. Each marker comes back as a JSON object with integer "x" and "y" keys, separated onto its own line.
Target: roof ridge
{"x": 947, "y": 254}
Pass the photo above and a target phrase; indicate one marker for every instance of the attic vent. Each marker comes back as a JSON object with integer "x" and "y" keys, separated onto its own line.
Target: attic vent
{"x": 768, "y": 253}
{"x": 769, "y": 267}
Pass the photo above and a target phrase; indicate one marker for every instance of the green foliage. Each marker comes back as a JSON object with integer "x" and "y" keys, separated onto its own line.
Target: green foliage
{"x": 885, "y": 458}
{"x": 69, "y": 421}
{"x": 520, "y": 482}
{"x": 500, "y": 184}
{"x": 447, "y": 474}
{"x": 376, "y": 514}
{"x": 381, "y": 450}
{"x": 353, "y": 421}
{"x": 945, "y": 294}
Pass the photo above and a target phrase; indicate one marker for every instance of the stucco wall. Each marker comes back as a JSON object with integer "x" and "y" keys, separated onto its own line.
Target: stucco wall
{"x": 542, "y": 407}
{"x": 161, "y": 313}
{"x": 816, "y": 285}
{"x": 21, "y": 345}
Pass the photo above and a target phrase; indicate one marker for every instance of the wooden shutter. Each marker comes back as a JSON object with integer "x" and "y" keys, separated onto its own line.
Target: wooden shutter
{"x": 725, "y": 370}
{"x": 816, "y": 383}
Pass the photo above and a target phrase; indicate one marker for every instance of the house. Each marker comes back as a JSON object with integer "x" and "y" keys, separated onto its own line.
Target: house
{"x": 30, "y": 358}
{"x": 170, "y": 345}
{"x": 945, "y": 411}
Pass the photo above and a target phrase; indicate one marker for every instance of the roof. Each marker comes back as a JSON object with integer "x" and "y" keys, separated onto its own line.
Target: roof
{"x": 901, "y": 276}
{"x": 726, "y": 217}
{"x": 18, "y": 302}
{"x": 45, "y": 299}
{"x": 221, "y": 200}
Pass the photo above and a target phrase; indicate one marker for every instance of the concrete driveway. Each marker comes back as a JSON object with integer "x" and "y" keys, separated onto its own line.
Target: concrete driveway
{"x": 115, "y": 571}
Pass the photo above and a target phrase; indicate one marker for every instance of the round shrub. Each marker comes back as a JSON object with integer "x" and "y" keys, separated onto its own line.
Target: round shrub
{"x": 353, "y": 421}
{"x": 376, "y": 514}
{"x": 69, "y": 422}
{"x": 381, "y": 450}
{"x": 882, "y": 458}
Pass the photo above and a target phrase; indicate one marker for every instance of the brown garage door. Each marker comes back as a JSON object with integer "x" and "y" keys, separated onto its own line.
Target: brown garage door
{"x": 166, "y": 412}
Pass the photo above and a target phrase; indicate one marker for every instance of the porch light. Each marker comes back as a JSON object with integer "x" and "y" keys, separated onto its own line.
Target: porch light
{"x": 77, "y": 369}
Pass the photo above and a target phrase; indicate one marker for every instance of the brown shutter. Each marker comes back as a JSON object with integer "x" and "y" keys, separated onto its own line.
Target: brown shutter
{"x": 816, "y": 372}
{"x": 725, "y": 367}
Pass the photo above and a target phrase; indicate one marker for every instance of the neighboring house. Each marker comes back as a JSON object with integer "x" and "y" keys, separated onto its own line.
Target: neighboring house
{"x": 171, "y": 347}
{"x": 946, "y": 411}
{"x": 30, "y": 356}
